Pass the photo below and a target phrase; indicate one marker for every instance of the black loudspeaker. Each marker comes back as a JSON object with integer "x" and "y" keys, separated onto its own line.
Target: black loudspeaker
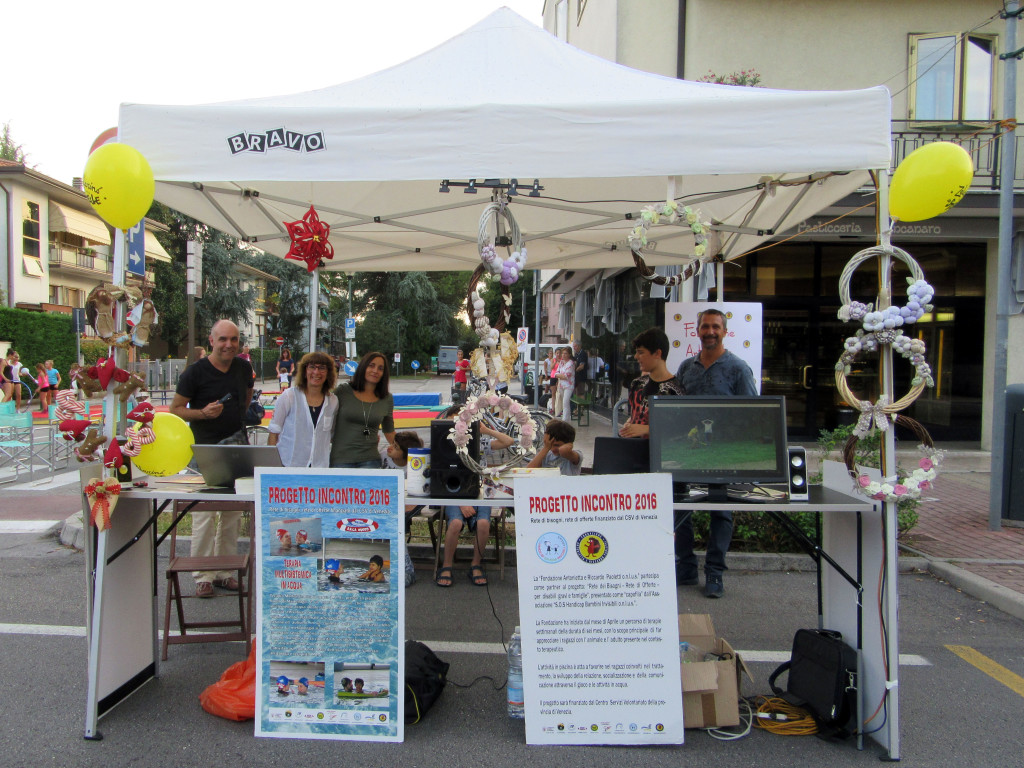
{"x": 797, "y": 473}
{"x": 449, "y": 477}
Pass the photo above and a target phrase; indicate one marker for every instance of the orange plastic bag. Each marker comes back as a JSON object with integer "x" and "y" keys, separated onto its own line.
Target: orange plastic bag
{"x": 233, "y": 696}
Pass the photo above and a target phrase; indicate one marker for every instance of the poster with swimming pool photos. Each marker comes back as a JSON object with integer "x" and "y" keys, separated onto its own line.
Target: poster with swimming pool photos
{"x": 598, "y": 610}
{"x": 330, "y": 604}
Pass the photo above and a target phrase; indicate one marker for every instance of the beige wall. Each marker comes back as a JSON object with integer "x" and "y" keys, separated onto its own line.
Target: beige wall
{"x": 26, "y": 288}
{"x": 793, "y": 44}
{"x": 823, "y": 44}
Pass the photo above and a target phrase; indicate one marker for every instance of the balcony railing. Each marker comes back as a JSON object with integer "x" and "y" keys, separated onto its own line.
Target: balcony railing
{"x": 981, "y": 140}
{"x": 79, "y": 258}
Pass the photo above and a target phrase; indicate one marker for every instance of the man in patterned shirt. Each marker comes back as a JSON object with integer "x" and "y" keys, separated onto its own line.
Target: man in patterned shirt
{"x": 713, "y": 371}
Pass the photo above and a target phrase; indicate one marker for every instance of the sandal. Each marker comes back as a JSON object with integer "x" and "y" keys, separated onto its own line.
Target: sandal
{"x": 476, "y": 575}
{"x": 444, "y": 575}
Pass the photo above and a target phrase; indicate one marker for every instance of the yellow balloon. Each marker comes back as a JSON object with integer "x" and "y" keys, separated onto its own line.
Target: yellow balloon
{"x": 930, "y": 181}
{"x": 170, "y": 452}
{"x": 119, "y": 183}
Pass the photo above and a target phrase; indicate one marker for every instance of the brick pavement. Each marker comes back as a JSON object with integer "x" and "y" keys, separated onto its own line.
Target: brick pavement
{"x": 954, "y": 526}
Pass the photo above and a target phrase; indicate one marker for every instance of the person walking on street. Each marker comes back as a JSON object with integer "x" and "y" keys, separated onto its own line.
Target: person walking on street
{"x": 285, "y": 366}
{"x": 213, "y": 395}
{"x": 712, "y": 371}
{"x": 582, "y": 364}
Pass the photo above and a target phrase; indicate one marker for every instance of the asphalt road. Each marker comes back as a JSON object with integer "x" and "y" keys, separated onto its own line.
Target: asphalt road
{"x": 952, "y": 713}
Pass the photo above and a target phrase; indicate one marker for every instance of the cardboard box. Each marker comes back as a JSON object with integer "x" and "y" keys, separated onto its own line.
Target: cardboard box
{"x": 711, "y": 689}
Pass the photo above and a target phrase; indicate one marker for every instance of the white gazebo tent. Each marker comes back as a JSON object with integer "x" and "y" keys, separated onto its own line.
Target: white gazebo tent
{"x": 505, "y": 101}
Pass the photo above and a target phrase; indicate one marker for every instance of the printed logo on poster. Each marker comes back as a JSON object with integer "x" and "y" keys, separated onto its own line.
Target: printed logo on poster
{"x": 552, "y": 547}
{"x": 357, "y": 525}
{"x": 592, "y": 547}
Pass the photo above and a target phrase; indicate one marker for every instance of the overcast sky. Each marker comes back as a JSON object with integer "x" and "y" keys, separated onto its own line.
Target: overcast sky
{"x": 69, "y": 64}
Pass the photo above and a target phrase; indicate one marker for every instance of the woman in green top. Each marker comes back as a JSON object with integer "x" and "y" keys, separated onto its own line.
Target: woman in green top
{"x": 365, "y": 406}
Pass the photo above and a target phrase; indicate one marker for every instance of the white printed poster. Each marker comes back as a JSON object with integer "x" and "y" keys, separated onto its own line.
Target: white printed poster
{"x": 744, "y": 331}
{"x": 330, "y": 611}
{"x": 597, "y": 608}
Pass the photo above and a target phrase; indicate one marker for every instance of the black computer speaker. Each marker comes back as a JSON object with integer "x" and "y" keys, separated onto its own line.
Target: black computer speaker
{"x": 449, "y": 477}
{"x": 797, "y": 473}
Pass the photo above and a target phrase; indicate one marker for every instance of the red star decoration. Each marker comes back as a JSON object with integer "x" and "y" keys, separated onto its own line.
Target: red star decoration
{"x": 309, "y": 240}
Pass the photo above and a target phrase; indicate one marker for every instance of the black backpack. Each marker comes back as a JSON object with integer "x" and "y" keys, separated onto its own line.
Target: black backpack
{"x": 425, "y": 678}
{"x": 823, "y": 680}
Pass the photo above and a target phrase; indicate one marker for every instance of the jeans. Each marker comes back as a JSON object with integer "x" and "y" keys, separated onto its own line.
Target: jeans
{"x": 719, "y": 537}
{"x": 357, "y": 465}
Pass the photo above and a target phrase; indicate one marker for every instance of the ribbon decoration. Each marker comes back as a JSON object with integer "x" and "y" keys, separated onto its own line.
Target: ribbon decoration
{"x": 67, "y": 405}
{"x": 309, "y": 240}
{"x": 141, "y": 435}
{"x": 102, "y": 496}
{"x": 872, "y": 413}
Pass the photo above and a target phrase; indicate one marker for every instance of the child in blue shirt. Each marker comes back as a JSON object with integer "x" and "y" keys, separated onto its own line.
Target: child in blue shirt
{"x": 558, "y": 450}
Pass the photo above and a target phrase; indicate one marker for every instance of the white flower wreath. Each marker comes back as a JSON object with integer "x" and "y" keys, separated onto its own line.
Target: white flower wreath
{"x": 671, "y": 210}
{"x": 903, "y": 488}
{"x": 473, "y": 411}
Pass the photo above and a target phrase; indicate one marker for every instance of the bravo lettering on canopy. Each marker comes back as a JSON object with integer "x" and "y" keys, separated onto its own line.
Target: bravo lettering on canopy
{"x": 277, "y": 138}
{"x": 303, "y": 495}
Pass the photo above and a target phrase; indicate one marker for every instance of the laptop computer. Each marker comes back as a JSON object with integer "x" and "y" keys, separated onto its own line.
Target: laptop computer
{"x": 221, "y": 465}
{"x": 621, "y": 455}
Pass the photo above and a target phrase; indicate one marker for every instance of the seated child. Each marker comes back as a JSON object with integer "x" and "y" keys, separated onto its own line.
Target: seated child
{"x": 397, "y": 457}
{"x": 374, "y": 573}
{"x": 558, "y": 449}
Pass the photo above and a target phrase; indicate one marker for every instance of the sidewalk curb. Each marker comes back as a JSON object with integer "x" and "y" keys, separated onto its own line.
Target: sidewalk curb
{"x": 72, "y": 532}
{"x": 1005, "y": 599}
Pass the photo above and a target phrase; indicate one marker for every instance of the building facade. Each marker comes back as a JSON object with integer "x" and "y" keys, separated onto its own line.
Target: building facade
{"x": 54, "y": 248}
{"x": 940, "y": 61}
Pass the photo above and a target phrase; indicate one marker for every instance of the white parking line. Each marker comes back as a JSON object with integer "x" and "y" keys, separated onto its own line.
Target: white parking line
{"x": 27, "y": 526}
{"x": 441, "y": 646}
{"x": 47, "y": 484}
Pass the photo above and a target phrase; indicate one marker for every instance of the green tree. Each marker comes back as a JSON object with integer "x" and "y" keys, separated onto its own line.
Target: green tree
{"x": 9, "y": 148}
{"x": 287, "y": 299}
{"x": 223, "y": 294}
{"x": 171, "y": 302}
{"x": 401, "y": 311}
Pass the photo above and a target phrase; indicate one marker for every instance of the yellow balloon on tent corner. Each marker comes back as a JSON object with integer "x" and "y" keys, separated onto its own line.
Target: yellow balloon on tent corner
{"x": 929, "y": 181}
{"x": 170, "y": 452}
{"x": 119, "y": 183}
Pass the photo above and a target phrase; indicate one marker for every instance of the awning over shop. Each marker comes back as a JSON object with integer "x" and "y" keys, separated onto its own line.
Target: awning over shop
{"x": 92, "y": 228}
{"x": 154, "y": 250}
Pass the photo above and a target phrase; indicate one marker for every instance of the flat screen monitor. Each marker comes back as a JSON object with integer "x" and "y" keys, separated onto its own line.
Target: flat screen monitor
{"x": 718, "y": 442}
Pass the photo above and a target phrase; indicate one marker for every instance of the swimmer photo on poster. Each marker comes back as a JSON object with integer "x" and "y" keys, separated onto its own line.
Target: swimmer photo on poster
{"x": 361, "y": 685}
{"x": 296, "y": 537}
{"x": 355, "y": 565}
{"x": 297, "y": 683}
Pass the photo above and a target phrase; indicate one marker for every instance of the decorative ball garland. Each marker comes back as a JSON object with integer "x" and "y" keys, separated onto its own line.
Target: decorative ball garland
{"x": 882, "y": 327}
{"x": 651, "y": 215}
{"x": 497, "y": 349}
{"x": 473, "y": 411}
